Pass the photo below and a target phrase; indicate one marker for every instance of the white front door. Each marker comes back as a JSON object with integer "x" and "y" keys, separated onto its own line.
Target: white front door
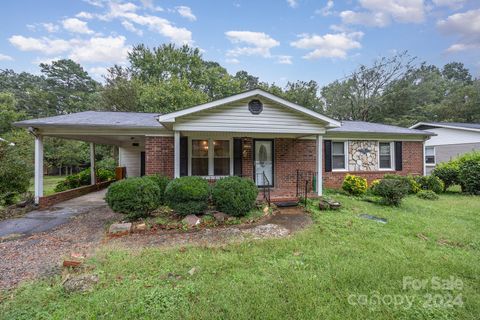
{"x": 263, "y": 161}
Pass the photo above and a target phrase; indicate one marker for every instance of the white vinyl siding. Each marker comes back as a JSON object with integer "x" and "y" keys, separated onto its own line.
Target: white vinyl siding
{"x": 236, "y": 117}
{"x": 130, "y": 158}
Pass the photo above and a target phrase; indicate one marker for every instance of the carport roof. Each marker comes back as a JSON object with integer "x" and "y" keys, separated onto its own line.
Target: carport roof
{"x": 134, "y": 120}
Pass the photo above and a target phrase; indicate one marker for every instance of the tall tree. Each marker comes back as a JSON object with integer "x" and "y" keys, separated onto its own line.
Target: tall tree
{"x": 8, "y": 114}
{"x": 71, "y": 88}
{"x": 362, "y": 91}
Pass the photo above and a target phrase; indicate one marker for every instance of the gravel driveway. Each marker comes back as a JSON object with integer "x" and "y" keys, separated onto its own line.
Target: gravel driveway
{"x": 41, "y": 254}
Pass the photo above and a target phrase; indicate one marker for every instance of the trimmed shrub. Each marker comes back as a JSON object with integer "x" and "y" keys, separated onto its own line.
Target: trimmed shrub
{"x": 234, "y": 195}
{"x": 448, "y": 172}
{"x": 161, "y": 182}
{"x": 469, "y": 174}
{"x": 354, "y": 185}
{"x": 134, "y": 197}
{"x": 427, "y": 195}
{"x": 392, "y": 191}
{"x": 187, "y": 195}
{"x": 432, "y": 183}
{"x": 414, "y": 187}
{"x": 83, "y": 179}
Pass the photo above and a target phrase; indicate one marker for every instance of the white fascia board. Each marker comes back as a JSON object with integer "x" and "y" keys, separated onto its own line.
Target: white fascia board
{"x": 170, "y": 117}
{"x": 442, "y": 126}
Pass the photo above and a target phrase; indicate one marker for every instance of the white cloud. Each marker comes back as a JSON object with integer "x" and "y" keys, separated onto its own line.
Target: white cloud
{"x": 50, "y": 27}
{"x": 96, "y": 3}
{"x": 100, "y": 49}
{"x": 380, "y": 12}
{"x": 466, "y": 26}
{"x": 130, "y": 27}
{"x": 96, "y": 49}
{"x": 373, "y": 19}
{"x": 84, "y": 15}
{"x": 44, "y": 45}
{"x": 150, "y": 5}
{"x": 186, "y": 12}
{"x": 255, "y": 43}
{"x": 454, "y": 4}
{"x": 232, "y": 61}
{"x": 292, "y": 3}
{"x": 328, "y": 45}
{"x": 127, "y": 12}
{"x": 4, "y": 57}
{"x": 327, "y": 10}
{"x": 76, "y": 26}
{"x": 284, "y": 59}
{"x": 97, "y": 72}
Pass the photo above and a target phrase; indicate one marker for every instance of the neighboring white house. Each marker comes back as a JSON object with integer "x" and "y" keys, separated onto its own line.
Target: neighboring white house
{"x": 452, "y": 139}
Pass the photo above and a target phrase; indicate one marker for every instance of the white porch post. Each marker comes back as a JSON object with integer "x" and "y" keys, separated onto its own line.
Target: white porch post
{"x": 319, "y": 164}
{"x": 176, "y": 152}
{"x": 38, "y": 168}
{"x": 93, "y": 177}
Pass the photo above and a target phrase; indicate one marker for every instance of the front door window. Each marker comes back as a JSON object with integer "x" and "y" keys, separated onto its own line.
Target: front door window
{"x": 263, "y": 162}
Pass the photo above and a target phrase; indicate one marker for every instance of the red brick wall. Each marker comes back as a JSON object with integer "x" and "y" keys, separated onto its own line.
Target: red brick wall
{"x": 48, "y": 201}
{"x": 412, "y": 154}
{"x": 247, "y": 157}
{"x": 292, "y": 155}
{"x": 159, "y": 156}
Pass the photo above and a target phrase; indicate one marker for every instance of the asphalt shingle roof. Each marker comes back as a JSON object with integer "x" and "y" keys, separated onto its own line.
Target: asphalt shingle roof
{"x": 98, "y": 119}
{"x": 370, "y": 127}
{"x": 452, "y": 124}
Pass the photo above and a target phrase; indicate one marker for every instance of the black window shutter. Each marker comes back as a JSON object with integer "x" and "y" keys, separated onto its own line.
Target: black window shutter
{"x": 328, "y": 155}
{"x": 398, "y": 156}
{"x": 142, "y": 163}
{"x": 183, "y": 156}
{"x": 237, "y": 156}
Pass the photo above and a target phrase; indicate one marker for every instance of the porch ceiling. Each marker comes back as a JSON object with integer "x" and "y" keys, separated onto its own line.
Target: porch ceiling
{"x": 114, "y": 140}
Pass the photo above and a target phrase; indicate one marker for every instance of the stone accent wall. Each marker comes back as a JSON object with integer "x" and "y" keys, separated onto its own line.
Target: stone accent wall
{"x": 412, "y": 154}
{"x": 363, "y": 155}
{"x": 159, "y": 156}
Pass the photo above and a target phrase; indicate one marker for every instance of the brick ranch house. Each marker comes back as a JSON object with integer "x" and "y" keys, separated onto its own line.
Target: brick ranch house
{"x": 253, "y": 134}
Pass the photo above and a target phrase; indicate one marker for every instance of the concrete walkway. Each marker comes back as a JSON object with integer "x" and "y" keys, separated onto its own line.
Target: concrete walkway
{"x": 43, "y": 220}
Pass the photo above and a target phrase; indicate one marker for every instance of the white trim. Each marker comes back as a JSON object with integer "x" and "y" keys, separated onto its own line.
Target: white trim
{"x": 176, "y": 156}
{"x": 442, "y": 126}
{"x": 38, "y": 168}
{"x": 171, "y": 117}
{"x": 93, "y": 177}
{"x": 211, "y": 155}
{"x": 392, "y": 156}
{"x": 425, "y": 156}
{"x": 345, "y": 154}
{"x": 319, "y": 145}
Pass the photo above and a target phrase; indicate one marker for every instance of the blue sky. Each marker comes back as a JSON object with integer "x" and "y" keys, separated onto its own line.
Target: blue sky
{"x": 279, "y": 41}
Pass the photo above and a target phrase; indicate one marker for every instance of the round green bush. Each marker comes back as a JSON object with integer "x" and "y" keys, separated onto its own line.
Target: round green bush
{"x": 413, "y": 186}
{"x": 392, "y": 191}
{"x": 448, "y": 172}
{"x": 427, "y": 195}
{"x": 134, "y": 197}
{"x": 354, "y": 185}
{"x": 187, "y": 195}
{"x": 161, "y": 182}
{"x": 430, "y": 182}
{"x": 83, "y": 178}
{"x": 469, "y": 174}
{"x": 234, "y": 195}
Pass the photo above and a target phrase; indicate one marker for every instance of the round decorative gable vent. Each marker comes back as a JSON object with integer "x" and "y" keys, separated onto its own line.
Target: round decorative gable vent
{"x": 255, "y": 106}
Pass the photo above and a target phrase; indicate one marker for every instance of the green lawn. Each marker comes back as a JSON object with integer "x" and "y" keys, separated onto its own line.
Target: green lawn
{"x": 312, "y": 275}
{"x": 49, "y": 183}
